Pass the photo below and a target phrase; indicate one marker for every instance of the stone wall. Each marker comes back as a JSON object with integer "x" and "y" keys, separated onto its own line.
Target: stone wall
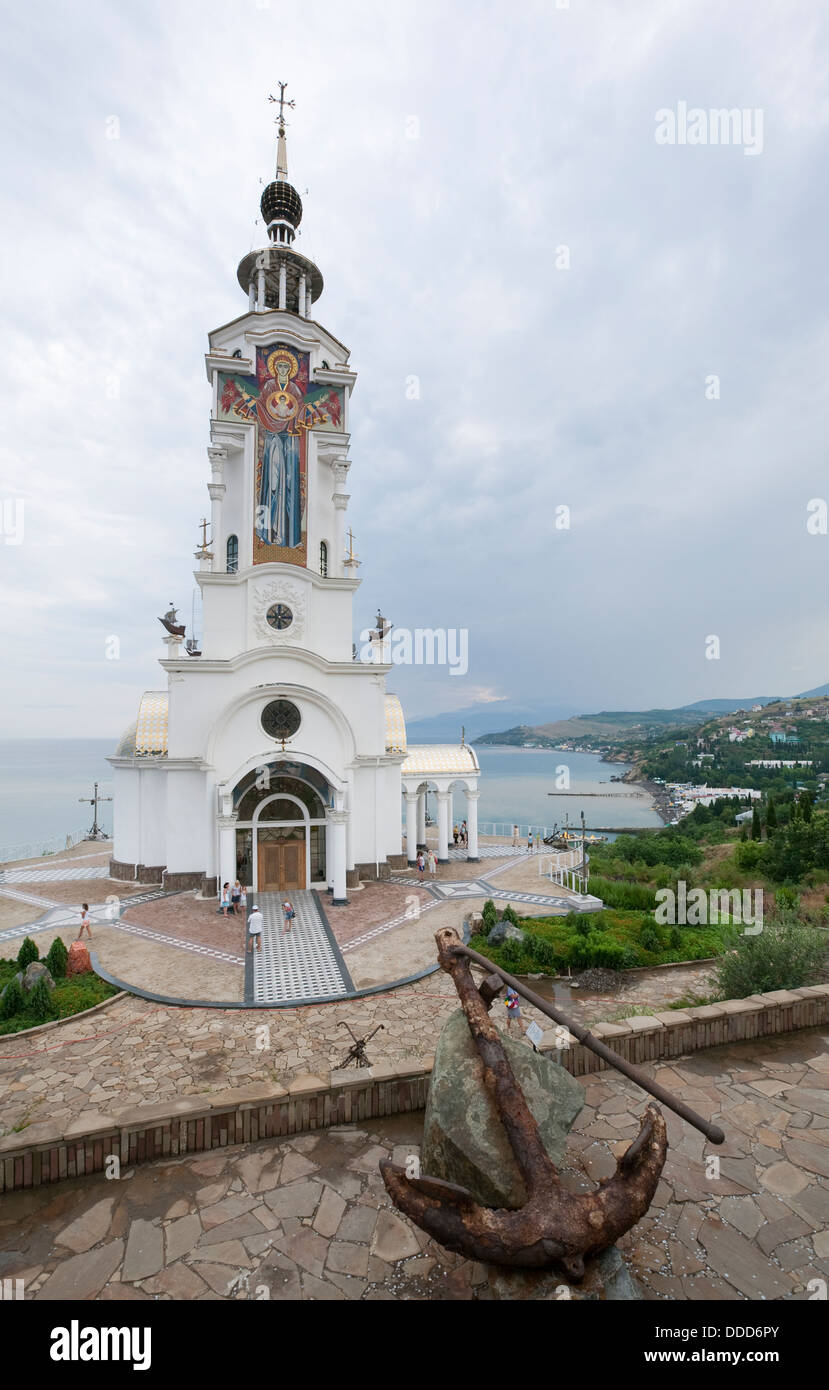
{"x": 43, "y": 1153}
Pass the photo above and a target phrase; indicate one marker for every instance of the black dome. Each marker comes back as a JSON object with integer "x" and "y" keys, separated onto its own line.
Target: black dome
{"x": 281, "y": 200}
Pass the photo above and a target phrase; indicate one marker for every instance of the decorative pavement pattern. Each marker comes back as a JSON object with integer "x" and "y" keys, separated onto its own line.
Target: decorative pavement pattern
{"x": 53, "y": 875}
{"x": 309, "y": 1217}
{"x": 304, "y": 963}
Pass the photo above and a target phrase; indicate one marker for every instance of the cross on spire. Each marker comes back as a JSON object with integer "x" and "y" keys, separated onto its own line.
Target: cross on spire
{"x": 96, "y": 833}
{"x": 282, "y": 104}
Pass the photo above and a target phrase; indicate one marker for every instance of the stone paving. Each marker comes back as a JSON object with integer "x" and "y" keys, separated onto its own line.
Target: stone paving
{"x": 308, "y": 1218}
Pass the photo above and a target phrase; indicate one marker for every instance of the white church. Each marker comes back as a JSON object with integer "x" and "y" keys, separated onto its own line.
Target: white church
{"x": 273, "y": 754}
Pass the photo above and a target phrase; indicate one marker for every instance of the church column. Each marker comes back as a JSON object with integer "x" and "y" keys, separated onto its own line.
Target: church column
{"x": 302, "y": 295}
{"x": 252, "y": 296}
{"x": 227, "y": 851}
{"x": 283, "y": 283}
{"x": 338, "y": 823}
{"x": 421, "y": 818}
{"x": 216, "y": 489}
{"x": 260, "y": 289}
{"x": 340, "y": 499}
{"x": 308, "y": 301}
{"x": 329, "y": 857}
{"x": 472, "y": 825}
{"x": 443, "y": 827}
{"x": 411, "y": 826}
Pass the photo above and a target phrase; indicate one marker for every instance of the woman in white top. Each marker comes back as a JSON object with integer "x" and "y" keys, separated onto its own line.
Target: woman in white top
{"x": 85, "y": 921}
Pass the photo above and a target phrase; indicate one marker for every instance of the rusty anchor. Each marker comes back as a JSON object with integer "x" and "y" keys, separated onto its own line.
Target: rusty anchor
{"x": 554, "y": 1226}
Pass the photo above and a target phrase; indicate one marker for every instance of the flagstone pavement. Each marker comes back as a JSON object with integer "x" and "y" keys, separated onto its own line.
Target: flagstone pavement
{"x": 308, "y": 1218}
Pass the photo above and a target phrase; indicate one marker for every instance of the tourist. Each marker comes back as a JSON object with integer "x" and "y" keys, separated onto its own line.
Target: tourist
{"x": 288, "y": 914}
{"x": 243, "y": 900}
{"x": 85, "y": 921}
{"x": 515, "y": 837}
{"x": 455, "y": 834}
{"x": 226, "y": 905}
{"x": 529, "y": 842}
{"x": 512, "y": 1004}
{"x": 464, "y": 835}
{"x": 236, "y": 897}
{"x": 433, "y": 862}
{"x": 421, "y": 863}
{"x": 255, "y": 924}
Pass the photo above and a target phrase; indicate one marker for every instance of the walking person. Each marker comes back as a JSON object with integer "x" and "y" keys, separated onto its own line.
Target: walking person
{"x": 464, "y": 835}
{"x": 226, "y": 903}
{"x": 529, "y": 842}
{"x": 288, "y": 915}
{"x": 421, "y": 863}
{"x": 512, "y": 1004}
{"x": 515, "y": 837}
{"x": 255, "y": 924}
{"x": 85, "y": 921}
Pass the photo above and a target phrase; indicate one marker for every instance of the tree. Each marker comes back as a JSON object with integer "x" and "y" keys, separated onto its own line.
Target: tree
{"x": 27, "y": 953}
{"x": 771, "y": 817}
{"x": 756, "y": 828}
{"x": 806, "y": 807}
{"x": 56, "y": 959}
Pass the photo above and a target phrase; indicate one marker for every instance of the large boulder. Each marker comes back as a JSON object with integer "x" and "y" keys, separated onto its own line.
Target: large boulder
{"x": 78, "y": 962}
{"x": 35, "y": 971}
{"x": 504, "y": 931}
{"x": 463, "y": 1139}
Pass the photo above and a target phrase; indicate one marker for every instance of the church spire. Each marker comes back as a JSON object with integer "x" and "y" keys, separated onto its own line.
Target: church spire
{"x": 277, "y": 276}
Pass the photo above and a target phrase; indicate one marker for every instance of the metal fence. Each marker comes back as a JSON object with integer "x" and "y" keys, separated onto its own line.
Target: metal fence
{"x": 35, "y": 848}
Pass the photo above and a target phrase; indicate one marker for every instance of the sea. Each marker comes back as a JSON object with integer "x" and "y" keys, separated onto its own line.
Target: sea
{"x": 42, "y": 782}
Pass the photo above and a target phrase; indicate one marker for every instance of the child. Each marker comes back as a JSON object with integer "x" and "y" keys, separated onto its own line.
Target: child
{"x": 226, "y": 905}
{"x": 85, "y": 921}
{"x": 421, "y": 863}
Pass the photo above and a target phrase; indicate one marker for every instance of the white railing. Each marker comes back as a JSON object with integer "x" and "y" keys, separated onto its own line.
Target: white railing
{"x": 34, "y": 848}
{"x": 506, "y": 829}
{"x": 565, "y": 868}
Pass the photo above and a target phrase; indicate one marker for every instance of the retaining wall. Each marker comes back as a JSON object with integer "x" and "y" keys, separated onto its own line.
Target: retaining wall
{"x": 45, "y": 1153}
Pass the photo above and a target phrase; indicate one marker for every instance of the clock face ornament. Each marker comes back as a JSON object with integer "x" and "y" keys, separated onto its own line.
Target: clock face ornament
{"x": 279, "y": 616}
{"x": 281, "y": 719}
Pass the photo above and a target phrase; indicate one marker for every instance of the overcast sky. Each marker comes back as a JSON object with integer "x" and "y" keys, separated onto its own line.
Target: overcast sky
{"x": 447, "y": 150}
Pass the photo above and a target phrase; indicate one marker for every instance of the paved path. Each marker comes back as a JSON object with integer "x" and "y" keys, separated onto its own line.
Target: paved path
{"x": 303, "y": 963}
{"x": 309, "y": 1219}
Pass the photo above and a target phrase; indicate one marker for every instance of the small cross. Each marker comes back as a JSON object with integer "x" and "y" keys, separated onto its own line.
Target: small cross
{"x": 282, "y": 102}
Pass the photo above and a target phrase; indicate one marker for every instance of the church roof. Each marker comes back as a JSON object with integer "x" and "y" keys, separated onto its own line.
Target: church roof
{"x": 436, "y": 758}
{"x": 147, "y": 737}
{"x": 395, "y": 726}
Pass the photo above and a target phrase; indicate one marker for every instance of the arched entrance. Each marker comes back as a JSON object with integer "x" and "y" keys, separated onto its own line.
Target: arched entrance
{"x": 281, "y": 828}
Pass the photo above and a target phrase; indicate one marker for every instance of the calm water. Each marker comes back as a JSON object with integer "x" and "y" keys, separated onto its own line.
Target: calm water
{"x": 516, "y": 782}
{"x": 42, "y": 779}
{"x": 40, "y": 782}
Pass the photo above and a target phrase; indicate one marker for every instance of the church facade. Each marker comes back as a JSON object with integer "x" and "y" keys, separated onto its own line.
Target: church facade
{"x": 272, "y": 754}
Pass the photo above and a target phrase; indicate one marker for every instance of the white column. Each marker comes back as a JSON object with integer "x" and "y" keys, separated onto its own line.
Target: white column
{"x": 227, "y": 851}
{"x": 302, "y": 296}
{"x": 329, "y": 857}
{"x": 443, "y": 827}
{"x": 260, "y": 289}
{"x": 412, "y": 800}
{"x": 252, "y": 296}
{"x": 338, "y": 822}
{"x": 283, "y": 282}
{"x": 308, "y": 301}
{"x": 472, "y": 826}
{"x": 421, "y": 818}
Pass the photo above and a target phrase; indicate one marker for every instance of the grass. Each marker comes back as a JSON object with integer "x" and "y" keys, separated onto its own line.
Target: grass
{"x": 70, "y": 996}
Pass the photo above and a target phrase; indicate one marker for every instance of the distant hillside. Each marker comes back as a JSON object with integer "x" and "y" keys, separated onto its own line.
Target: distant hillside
{"x": 813, "y": 694}
{"x": 481, "y": 719}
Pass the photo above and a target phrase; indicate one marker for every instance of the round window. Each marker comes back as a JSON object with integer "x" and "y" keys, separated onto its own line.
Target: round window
{"x": 281, "y": 719}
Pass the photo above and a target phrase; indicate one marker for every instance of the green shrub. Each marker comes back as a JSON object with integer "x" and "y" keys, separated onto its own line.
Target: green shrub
{"x": 675, "y": 939}
{"x": 27, "y": 953}
{"x": 649, "y": 939}
{"x": 510, "y": 915}
{"x": 543, "y": 953}
{"x": 510, "y": 955}
{"x": 40, "y": 1001}
{"x": 787, "y": 897}
{"x": 56, "y": 959}
{"x": 488, "y": 915}
{"x": 786, "y": 954}
{"x": 12, "y": 1001}
{"x": 605, "y": 953}
{"x": 637, "y": 896}
{"x": 583, "y": 926}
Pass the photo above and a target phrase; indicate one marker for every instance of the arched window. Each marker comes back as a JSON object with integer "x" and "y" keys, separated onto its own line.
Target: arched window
{"x": 323, "y": 559}
{"x": 232, "y": 554}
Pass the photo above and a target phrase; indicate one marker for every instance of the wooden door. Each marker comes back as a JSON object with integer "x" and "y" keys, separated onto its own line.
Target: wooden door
{"x": 281, "y": 865}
